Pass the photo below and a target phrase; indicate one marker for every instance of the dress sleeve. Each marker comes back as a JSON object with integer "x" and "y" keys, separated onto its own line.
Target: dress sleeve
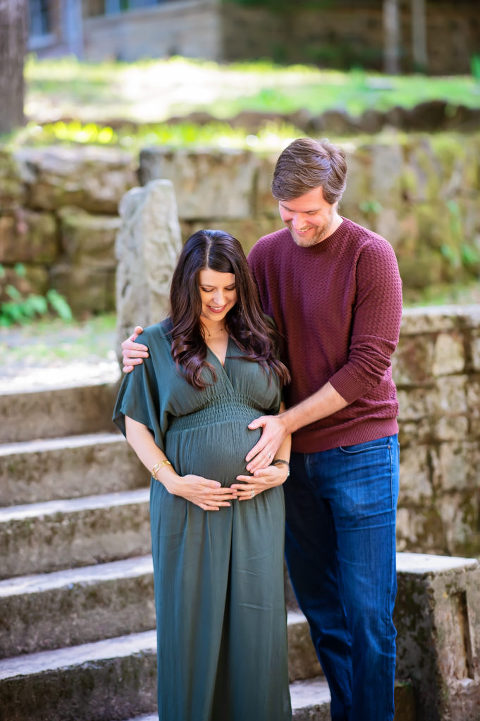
{"x": 139, "y": 398}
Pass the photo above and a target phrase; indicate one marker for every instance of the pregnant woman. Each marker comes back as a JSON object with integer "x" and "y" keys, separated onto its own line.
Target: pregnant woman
{"x": 217, "y": 532}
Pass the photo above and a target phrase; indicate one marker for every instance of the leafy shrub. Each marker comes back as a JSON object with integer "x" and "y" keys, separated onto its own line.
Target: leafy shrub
{"x": 22, "y": 308}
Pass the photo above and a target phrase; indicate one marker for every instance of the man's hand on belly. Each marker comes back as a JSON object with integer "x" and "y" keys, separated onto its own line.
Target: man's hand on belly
{"x": 273, "y": 434}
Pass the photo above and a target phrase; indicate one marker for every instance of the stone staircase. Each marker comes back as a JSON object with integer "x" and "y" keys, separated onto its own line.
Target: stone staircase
{"x": 77, "y": 618}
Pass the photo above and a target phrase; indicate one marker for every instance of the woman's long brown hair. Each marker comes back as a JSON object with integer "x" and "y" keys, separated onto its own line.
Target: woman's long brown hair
{"x": 245, "y": 322}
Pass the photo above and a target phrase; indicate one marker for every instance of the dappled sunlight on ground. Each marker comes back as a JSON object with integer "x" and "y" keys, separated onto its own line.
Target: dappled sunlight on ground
{"x": 54, "y": 354}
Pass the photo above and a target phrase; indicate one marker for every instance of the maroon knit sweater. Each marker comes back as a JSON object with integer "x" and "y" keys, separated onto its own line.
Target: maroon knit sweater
{"x": 338, "y": 305}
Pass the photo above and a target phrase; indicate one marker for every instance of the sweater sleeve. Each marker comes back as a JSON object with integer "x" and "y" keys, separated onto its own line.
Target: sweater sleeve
{"x": 376, "y": 322}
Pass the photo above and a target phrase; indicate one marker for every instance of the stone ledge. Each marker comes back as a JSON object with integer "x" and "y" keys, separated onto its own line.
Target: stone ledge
{"x": 48, "y": 469}
{"x": 438, "y": 621}
{"x": 59, "y": 534}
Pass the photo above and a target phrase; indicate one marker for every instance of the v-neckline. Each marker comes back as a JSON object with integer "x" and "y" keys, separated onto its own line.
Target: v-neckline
{"x": 222, "y": 365}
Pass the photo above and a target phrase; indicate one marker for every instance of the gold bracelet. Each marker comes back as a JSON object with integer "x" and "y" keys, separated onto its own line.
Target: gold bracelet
{"x": 159, "y": 465}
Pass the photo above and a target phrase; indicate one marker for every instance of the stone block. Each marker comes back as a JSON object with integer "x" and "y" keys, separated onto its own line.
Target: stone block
{"x": 450, "y": 395}
{"x": 420, "y": 529}
{"x": 111, "y": 679}
{"x": 44, "y": 537}
{"x": 264, "y": 202}
{"x": 35, "y": 280}
{"x": 207, "y": 185}
{"x": 88, "y": 240}
{"x": 302, "y": 659}
{"x": 359, "y": 164}
{"x": 12, "y": 191}
{"x": 60, "y": 412}
{"x": 388, "y": 224}
{"x": 450, "y": 428}
{"x": 411, "y": 433}
{"x": 424, "y": 171}
{"x": 437, "y": 616}
{"x": 28, "y": 237}
{"x": 79, "y": 605}
{"x": 414, "y": 403}
{"x": 48, "y": 469}
{"x": 439, "y": 319}
{"x": 386, "y": 171}
{"x": 449, "y": 354}
{"x": 246, "y": 231}
{"x": 473, "y": 404}
{"x": 415, "y": 475}
{"x": 87, "y": 289}
{"x": 91, "y": 178}
{"x": 147, "y": 248}
{"x": 449, "y": 408}
{"x": 475, "y": 349}
{"x": 454, "y": 466}
{"x": 412, "y": 361}
{"x": 460, "y": 513}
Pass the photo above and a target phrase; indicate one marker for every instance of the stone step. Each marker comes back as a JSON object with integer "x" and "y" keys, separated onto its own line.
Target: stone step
{"x": 68, "y": 467}
{"x": 54, "y": 412}
{"x": 83, "y": 605}
{"x": 116, "y": 679}
{"x": 75, "y": 606}
{"x": 110, "y": 679}
{"x": 310, "y": 702}
{"x": 49, "y": 536}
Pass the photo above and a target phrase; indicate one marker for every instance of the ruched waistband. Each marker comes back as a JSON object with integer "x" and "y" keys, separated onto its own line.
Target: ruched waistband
{"x": 223, "y": 411}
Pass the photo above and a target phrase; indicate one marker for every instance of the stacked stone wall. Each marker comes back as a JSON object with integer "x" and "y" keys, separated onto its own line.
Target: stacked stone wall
{"x": 59, "y": 207}
{"x": 437, "y": 372}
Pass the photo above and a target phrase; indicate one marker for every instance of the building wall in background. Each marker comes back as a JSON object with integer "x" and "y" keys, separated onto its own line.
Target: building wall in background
{"x": 187, "y": 27}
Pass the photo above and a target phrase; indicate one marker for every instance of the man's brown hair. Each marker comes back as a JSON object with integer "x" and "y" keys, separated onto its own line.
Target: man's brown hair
{"x": 306, "y": 164}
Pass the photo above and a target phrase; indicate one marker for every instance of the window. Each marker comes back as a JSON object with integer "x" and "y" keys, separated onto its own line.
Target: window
{"x": 39, "y": 17}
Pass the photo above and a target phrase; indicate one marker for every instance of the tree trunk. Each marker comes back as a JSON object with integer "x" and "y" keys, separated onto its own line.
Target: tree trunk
{"x": 391, "y": 37}
{"x": 13, "y": 39}
{"x": 419, "y": 35}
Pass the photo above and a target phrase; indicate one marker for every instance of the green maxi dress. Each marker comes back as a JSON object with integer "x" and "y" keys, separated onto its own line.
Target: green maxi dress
{"x": 218, "y": 575}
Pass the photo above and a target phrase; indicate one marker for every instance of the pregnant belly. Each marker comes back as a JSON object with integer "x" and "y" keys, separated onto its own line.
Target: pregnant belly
{"x": 212, "y": 447}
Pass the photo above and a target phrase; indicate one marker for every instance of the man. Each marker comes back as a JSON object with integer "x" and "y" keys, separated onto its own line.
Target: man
{"x": 334, "y": 291}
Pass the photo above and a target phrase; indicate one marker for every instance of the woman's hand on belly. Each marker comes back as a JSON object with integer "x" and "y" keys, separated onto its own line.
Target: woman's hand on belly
{"x": 203, "y": 492}
{"x": 262, "y": 480}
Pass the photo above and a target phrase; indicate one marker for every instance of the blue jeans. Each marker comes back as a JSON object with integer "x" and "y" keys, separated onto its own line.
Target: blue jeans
{"x": 340, "y": 549}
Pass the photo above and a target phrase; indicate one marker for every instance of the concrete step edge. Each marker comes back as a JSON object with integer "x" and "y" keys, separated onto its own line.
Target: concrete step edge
{"x": 110, "y": 379}
{"x": 68, "y": 578}
{"x": 73, "y": 505}
{"x": 45, "y": 445}
{"x": 75, "y": 656}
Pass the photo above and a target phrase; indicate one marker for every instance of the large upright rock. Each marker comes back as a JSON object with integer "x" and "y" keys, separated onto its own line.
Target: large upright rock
{"x": 147, "y": 248}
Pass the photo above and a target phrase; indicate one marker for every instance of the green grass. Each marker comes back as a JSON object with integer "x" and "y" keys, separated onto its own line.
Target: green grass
{"x": 154, "y": 90}
{"x": 50, "y": 342}
{"x": 134, "y": 138}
